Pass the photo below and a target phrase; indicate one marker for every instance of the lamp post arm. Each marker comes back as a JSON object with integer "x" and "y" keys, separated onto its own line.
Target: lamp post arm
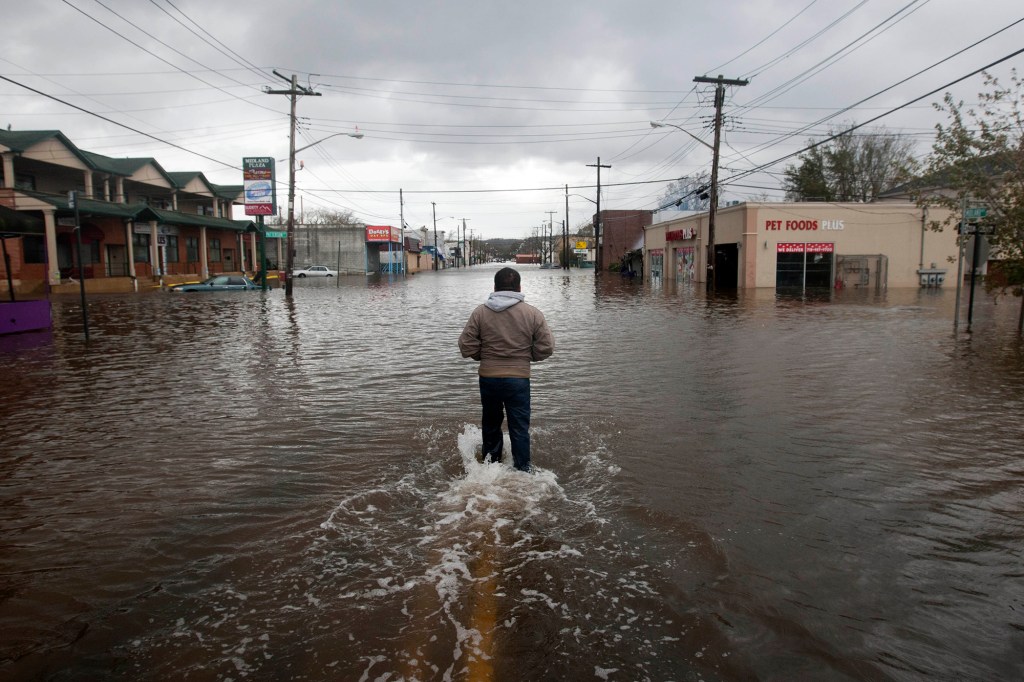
{"x": 659, "y": 124}
{"x": 358, "y": 136}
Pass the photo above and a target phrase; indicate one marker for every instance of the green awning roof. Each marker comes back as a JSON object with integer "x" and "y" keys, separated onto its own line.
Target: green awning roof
{"x": 138, "y": 213}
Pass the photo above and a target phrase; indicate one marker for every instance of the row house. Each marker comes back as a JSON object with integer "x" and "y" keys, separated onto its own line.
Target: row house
{"x": 138, "y": 221}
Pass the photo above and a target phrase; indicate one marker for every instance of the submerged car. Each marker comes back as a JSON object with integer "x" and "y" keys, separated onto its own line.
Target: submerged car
{"x": 315, "y": 271}
{"x": 219, "y": 283}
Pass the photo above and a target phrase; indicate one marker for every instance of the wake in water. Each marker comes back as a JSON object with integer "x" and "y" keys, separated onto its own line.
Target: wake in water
{"x": 460, "y": 570}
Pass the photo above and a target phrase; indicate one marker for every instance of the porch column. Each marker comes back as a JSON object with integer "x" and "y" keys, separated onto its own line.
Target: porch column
{"x": 106, "y": 188}
{"x": 9, "y": 170}
{"x": 87, "y": 179}
{"x": 204, "y": 266}
{"x": 174, "y": 200}
{"x": 119, "y": 190}
{"x": 50, "y": 223}
{"x": 256, "y": 265}
{"x": 241, "y": 251}
{"x": 154, "y": 249}
{"x": 130, "y": 243}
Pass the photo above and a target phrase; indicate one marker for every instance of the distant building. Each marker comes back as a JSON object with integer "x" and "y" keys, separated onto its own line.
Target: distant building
{"x": 804, "y": 246}
{"x": 621, "y": 233}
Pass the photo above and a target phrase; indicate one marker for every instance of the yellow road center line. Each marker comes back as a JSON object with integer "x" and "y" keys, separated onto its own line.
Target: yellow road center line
{"x": 484, "y": 618}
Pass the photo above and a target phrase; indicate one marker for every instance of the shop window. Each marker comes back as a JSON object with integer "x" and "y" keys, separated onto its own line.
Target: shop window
{"x": 803, "y": 270}
{"x": 214, "y": 250}
{"x": 191, "y": 249}
{"x": 171, "y": 248}
{"x": 34, "y": 249}
{"x": 140, "y": 243}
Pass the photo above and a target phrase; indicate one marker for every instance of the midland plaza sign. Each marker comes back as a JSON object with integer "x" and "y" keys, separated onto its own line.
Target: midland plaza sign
{"x": 258, "y": 185}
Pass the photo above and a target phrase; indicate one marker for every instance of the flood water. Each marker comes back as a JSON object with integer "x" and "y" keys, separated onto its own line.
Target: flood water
{"x": 234, "y": 486}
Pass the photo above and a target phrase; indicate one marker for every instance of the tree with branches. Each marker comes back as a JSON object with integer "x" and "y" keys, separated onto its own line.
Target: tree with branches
{"x": 850, "y": 166}
{"x": 977, "y": 160}
{"x": 688, "y": 193}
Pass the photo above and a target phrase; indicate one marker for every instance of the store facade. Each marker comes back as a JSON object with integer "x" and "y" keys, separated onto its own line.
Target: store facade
{"x": 804, "y": 246}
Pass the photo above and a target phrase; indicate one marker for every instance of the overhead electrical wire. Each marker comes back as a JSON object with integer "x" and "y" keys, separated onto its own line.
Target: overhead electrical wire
{"x": 122, "y": 125}
{"x": 156, "y": 56}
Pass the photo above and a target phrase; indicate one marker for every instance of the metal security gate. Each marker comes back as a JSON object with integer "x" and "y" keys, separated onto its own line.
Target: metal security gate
{"x": 862, "y": 272}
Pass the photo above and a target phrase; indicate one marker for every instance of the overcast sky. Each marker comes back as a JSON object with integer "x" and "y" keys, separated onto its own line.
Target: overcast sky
{"x": 487, "y": 108}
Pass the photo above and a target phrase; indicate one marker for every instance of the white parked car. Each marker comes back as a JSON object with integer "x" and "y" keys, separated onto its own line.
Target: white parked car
{"x": 315, "y": 271}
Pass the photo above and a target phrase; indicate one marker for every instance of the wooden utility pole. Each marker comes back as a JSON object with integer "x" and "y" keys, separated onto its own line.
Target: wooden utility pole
{"x": 720, "y": 84}
{"x": 597, "y": 217}
{"x": 565, "y": 232}
{"x": 293, "y": 92}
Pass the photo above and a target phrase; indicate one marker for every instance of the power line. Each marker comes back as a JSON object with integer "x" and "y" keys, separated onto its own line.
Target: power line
{"x": 122, "y": 125}
{"x": 153, "y": 54}
{"x": 876, "y": 118}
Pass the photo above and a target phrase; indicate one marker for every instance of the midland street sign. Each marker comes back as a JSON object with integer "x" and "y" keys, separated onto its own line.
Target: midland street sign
{"x": 975, "y": 213}
{"x": 275, "y": 235}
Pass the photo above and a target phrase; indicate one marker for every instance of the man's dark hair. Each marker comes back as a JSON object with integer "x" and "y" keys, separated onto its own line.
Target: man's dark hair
{"x": 506, "y": 279}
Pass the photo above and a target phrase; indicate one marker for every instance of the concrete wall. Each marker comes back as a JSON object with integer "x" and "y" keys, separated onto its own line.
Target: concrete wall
{"x": 322, "y": 245}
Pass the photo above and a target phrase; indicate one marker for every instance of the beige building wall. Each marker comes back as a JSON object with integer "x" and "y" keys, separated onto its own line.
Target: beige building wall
{"x": 895, "y": 230}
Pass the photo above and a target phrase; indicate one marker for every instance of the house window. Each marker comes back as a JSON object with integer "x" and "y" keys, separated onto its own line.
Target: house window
{"x": 33, "y": 249}
{"x": 24, "y": 181}
{"x": 140, "y": 243}
{"x": 214, "y": 250}
{"x": 171, "y": 248}
{"x": 192, "y": 249}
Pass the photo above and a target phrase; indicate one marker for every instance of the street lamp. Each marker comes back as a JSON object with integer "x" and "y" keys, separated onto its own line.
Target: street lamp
{"x": 660, "y": 124}
{"x": 433, "y": 209}
{"x": 358, "y": 136}
{"x": 565, "y": 230}
{"x": 290, "y": 258}
{"x": 713, "y": 205}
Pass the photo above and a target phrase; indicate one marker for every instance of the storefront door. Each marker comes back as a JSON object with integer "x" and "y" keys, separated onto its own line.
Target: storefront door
{"x": 117, "y": 260}
{"x": 804, "y": 266}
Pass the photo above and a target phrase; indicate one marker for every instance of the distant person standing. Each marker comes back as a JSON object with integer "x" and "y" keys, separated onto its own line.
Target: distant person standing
{"x": 505, "y": 334}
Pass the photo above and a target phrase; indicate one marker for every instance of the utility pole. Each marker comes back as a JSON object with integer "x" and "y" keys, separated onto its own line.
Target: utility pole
{"x": 401, "y": 230}
{"x": 565, "y": 232}
{"x": 293, "y": 92}
{"x": 433, "y": 209}
{"x": 551, "y": 237}
{"x": 597, "y": 218}
{"x": 720, "y": 84}
{"x": 462, "y": 244}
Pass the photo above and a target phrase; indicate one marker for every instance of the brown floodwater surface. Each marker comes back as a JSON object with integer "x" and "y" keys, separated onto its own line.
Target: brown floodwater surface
{"x": 237, "y": 486}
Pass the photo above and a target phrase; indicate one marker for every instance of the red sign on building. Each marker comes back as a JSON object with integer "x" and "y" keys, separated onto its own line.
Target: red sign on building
{"x": 679, "y": 235}
{"x": 382, "y": 233}
{"x": 801, "y": 247}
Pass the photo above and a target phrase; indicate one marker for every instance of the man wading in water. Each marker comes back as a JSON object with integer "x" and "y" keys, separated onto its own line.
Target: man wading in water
{"x": 505, "y": 335}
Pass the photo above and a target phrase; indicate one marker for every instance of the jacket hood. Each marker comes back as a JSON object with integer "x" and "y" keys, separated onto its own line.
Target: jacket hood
{"x": 503, "y": 300}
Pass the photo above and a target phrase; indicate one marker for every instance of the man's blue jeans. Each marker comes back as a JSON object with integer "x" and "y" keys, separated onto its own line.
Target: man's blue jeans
{"x": 500, "y": 396}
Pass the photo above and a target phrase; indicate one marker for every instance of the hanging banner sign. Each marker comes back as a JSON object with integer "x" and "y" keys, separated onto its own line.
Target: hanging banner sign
{"x": 814, "y": 247}
{"x": 258, "y": 185}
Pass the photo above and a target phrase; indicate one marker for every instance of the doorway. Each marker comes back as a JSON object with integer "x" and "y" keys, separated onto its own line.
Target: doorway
{"x": 727, "y": 266}
{"x": 117, "y": 260}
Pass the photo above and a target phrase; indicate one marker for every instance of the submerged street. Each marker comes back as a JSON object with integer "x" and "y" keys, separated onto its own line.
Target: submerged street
{"x": 238, "y": 486}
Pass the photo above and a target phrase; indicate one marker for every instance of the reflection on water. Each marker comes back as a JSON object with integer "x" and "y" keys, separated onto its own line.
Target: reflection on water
{"x": 751, "y": 487}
